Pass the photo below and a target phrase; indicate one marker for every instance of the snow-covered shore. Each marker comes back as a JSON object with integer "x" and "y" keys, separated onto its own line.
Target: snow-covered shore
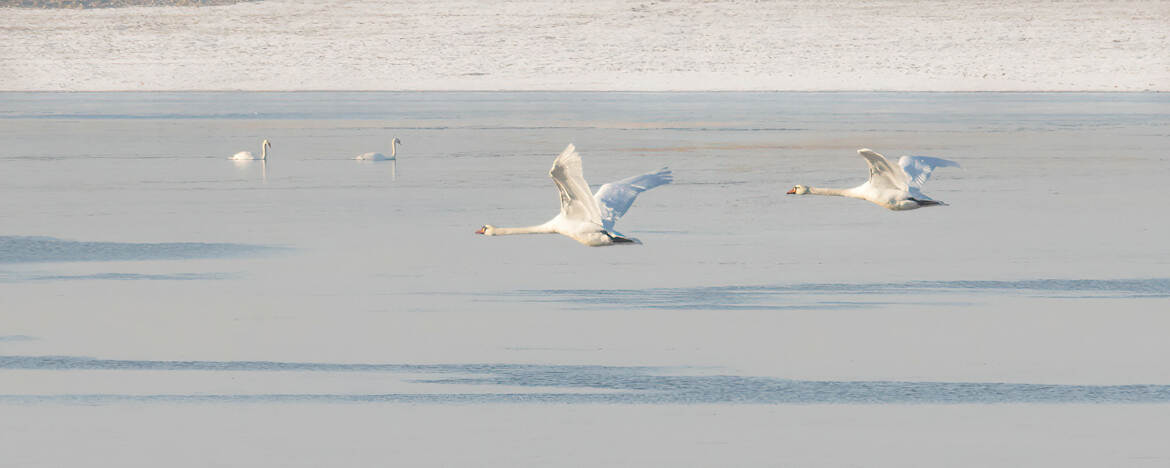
{"x": 994, "y": 45}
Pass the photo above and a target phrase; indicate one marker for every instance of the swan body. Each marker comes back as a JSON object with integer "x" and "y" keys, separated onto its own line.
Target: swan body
{"x": 248, "y": 156}
{"x": 381, "y": 157}
{"x": 897, "y": 188}
{"x": 586, "y": 217}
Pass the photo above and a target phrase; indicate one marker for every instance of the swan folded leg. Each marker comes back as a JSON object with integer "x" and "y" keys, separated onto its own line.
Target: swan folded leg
{"x": 927, "y": 202}
{"x": 618, "y": 238}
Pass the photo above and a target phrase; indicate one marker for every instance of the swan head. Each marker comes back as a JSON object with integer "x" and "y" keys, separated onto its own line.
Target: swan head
{"x": 798, "y": 190}
{"x": 266, "y": 143}
{"x": 487, "y": 229}
{"x": 396, "y": 141}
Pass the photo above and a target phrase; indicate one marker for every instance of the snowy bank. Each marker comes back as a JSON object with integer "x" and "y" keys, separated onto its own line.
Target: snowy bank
{"x": 995, "y": 45}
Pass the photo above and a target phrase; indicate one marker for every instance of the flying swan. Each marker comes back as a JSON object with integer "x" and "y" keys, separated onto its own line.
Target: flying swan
{"x": 586, "y": 217}
{"x": 895, "y": 187}
{"x": 247, "y": 155}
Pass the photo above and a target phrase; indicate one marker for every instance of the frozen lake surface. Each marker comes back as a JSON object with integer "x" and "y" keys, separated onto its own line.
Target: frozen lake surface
{"x": 315, "y": 310}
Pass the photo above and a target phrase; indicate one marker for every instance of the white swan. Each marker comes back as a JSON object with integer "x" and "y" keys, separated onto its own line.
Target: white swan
{"x": 381, "y": 157}
{"x": 585, "y": 217}
{"x": 897, "y": 188}
{"x": 247, "y": 155}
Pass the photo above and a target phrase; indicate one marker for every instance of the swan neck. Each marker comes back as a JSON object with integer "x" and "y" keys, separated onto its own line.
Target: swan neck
{"x": 540, "y": 229}
{"x": 263, "y": 151}
{"x": 393, "y": 148}
{"x": 829, "y": 191}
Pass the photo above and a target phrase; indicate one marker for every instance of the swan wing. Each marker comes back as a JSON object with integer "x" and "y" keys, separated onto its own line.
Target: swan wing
{"x": 881, "y": 174}
{"x": 243, "y": 155}
{"x": 919, "y": 168}
{"x": 577, "y": 201}
{"x": 615, "y": 198}
{"x": 916, "y": 193}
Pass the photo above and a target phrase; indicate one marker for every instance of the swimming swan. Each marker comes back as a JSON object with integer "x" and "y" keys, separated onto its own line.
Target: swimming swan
{"x": 247, "y": 155}
{"x": 381, "y": 157}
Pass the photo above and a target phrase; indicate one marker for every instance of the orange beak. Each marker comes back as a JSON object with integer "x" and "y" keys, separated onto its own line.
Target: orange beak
{"x": 480, "y": 231}
{"x": 791, "y": 192}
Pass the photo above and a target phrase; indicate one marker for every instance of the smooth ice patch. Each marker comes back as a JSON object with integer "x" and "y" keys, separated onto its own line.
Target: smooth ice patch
{"x": 568, "y": 384}
{"x": 38, "y": 249}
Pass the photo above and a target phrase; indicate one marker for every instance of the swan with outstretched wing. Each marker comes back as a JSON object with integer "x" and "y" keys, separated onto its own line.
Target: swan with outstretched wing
{"x": 898, "y": 188}
{"x": 585, "y": 217}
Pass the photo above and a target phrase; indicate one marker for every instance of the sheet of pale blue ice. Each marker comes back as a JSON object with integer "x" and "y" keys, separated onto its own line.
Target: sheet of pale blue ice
{"x": 145, "y": 277}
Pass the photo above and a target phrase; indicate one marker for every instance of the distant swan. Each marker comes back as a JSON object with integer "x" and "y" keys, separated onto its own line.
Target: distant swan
{"x": 381, "y": 157}
{"x": 247, "y": 155}
{"x": 585, "y": 217}
{"x": 896, "y": 188}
